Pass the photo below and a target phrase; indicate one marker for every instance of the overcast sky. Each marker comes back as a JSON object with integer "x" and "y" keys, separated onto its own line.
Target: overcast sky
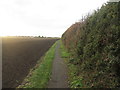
{"x": 42, "y": 17}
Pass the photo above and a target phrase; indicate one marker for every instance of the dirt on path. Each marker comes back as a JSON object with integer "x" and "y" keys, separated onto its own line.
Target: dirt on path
{"x": 59, "y": 71}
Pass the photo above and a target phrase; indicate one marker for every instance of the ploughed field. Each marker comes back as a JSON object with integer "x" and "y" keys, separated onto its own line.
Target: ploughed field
{"x": 19, "y": 55}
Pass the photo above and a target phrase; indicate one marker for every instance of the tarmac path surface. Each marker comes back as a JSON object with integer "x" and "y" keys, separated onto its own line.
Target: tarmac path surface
{"x": 59, "y": 71}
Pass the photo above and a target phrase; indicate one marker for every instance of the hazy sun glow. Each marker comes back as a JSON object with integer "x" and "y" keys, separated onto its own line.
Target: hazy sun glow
{"x": 42, "y": 17}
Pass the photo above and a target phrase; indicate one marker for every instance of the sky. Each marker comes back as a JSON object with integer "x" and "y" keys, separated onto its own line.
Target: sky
{"x": 49, "y": 18}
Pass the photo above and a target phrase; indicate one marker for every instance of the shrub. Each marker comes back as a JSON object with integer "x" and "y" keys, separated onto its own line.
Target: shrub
{"x": 95, "y": 46}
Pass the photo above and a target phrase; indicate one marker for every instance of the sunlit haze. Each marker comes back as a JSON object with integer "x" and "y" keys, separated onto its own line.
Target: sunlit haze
{"x": 42, "y": 17}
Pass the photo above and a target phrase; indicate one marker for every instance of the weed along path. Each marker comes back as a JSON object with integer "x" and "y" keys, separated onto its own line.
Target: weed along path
{"x": 59, "y": 71}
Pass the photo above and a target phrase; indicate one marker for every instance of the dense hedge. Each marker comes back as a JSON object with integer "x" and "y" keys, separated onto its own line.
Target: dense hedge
{"x": 94, "y": 44}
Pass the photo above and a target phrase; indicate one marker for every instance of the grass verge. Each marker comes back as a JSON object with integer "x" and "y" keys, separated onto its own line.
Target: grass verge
{"x": 74, "y": 80}
{"x": 39, "y": 77}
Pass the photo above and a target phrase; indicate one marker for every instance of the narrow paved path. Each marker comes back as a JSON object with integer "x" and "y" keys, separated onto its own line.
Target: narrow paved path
{"x": 59, "y": 71}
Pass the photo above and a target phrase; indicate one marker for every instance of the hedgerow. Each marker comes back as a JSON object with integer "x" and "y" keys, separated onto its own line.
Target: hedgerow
{"x": 94, "y": 43}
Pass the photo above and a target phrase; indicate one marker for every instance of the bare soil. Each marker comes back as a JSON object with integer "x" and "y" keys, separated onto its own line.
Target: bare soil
{"x": 19, "y": 55}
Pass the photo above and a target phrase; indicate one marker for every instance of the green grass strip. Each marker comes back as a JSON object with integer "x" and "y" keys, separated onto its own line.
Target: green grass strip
{"x": 41, "y": 75}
